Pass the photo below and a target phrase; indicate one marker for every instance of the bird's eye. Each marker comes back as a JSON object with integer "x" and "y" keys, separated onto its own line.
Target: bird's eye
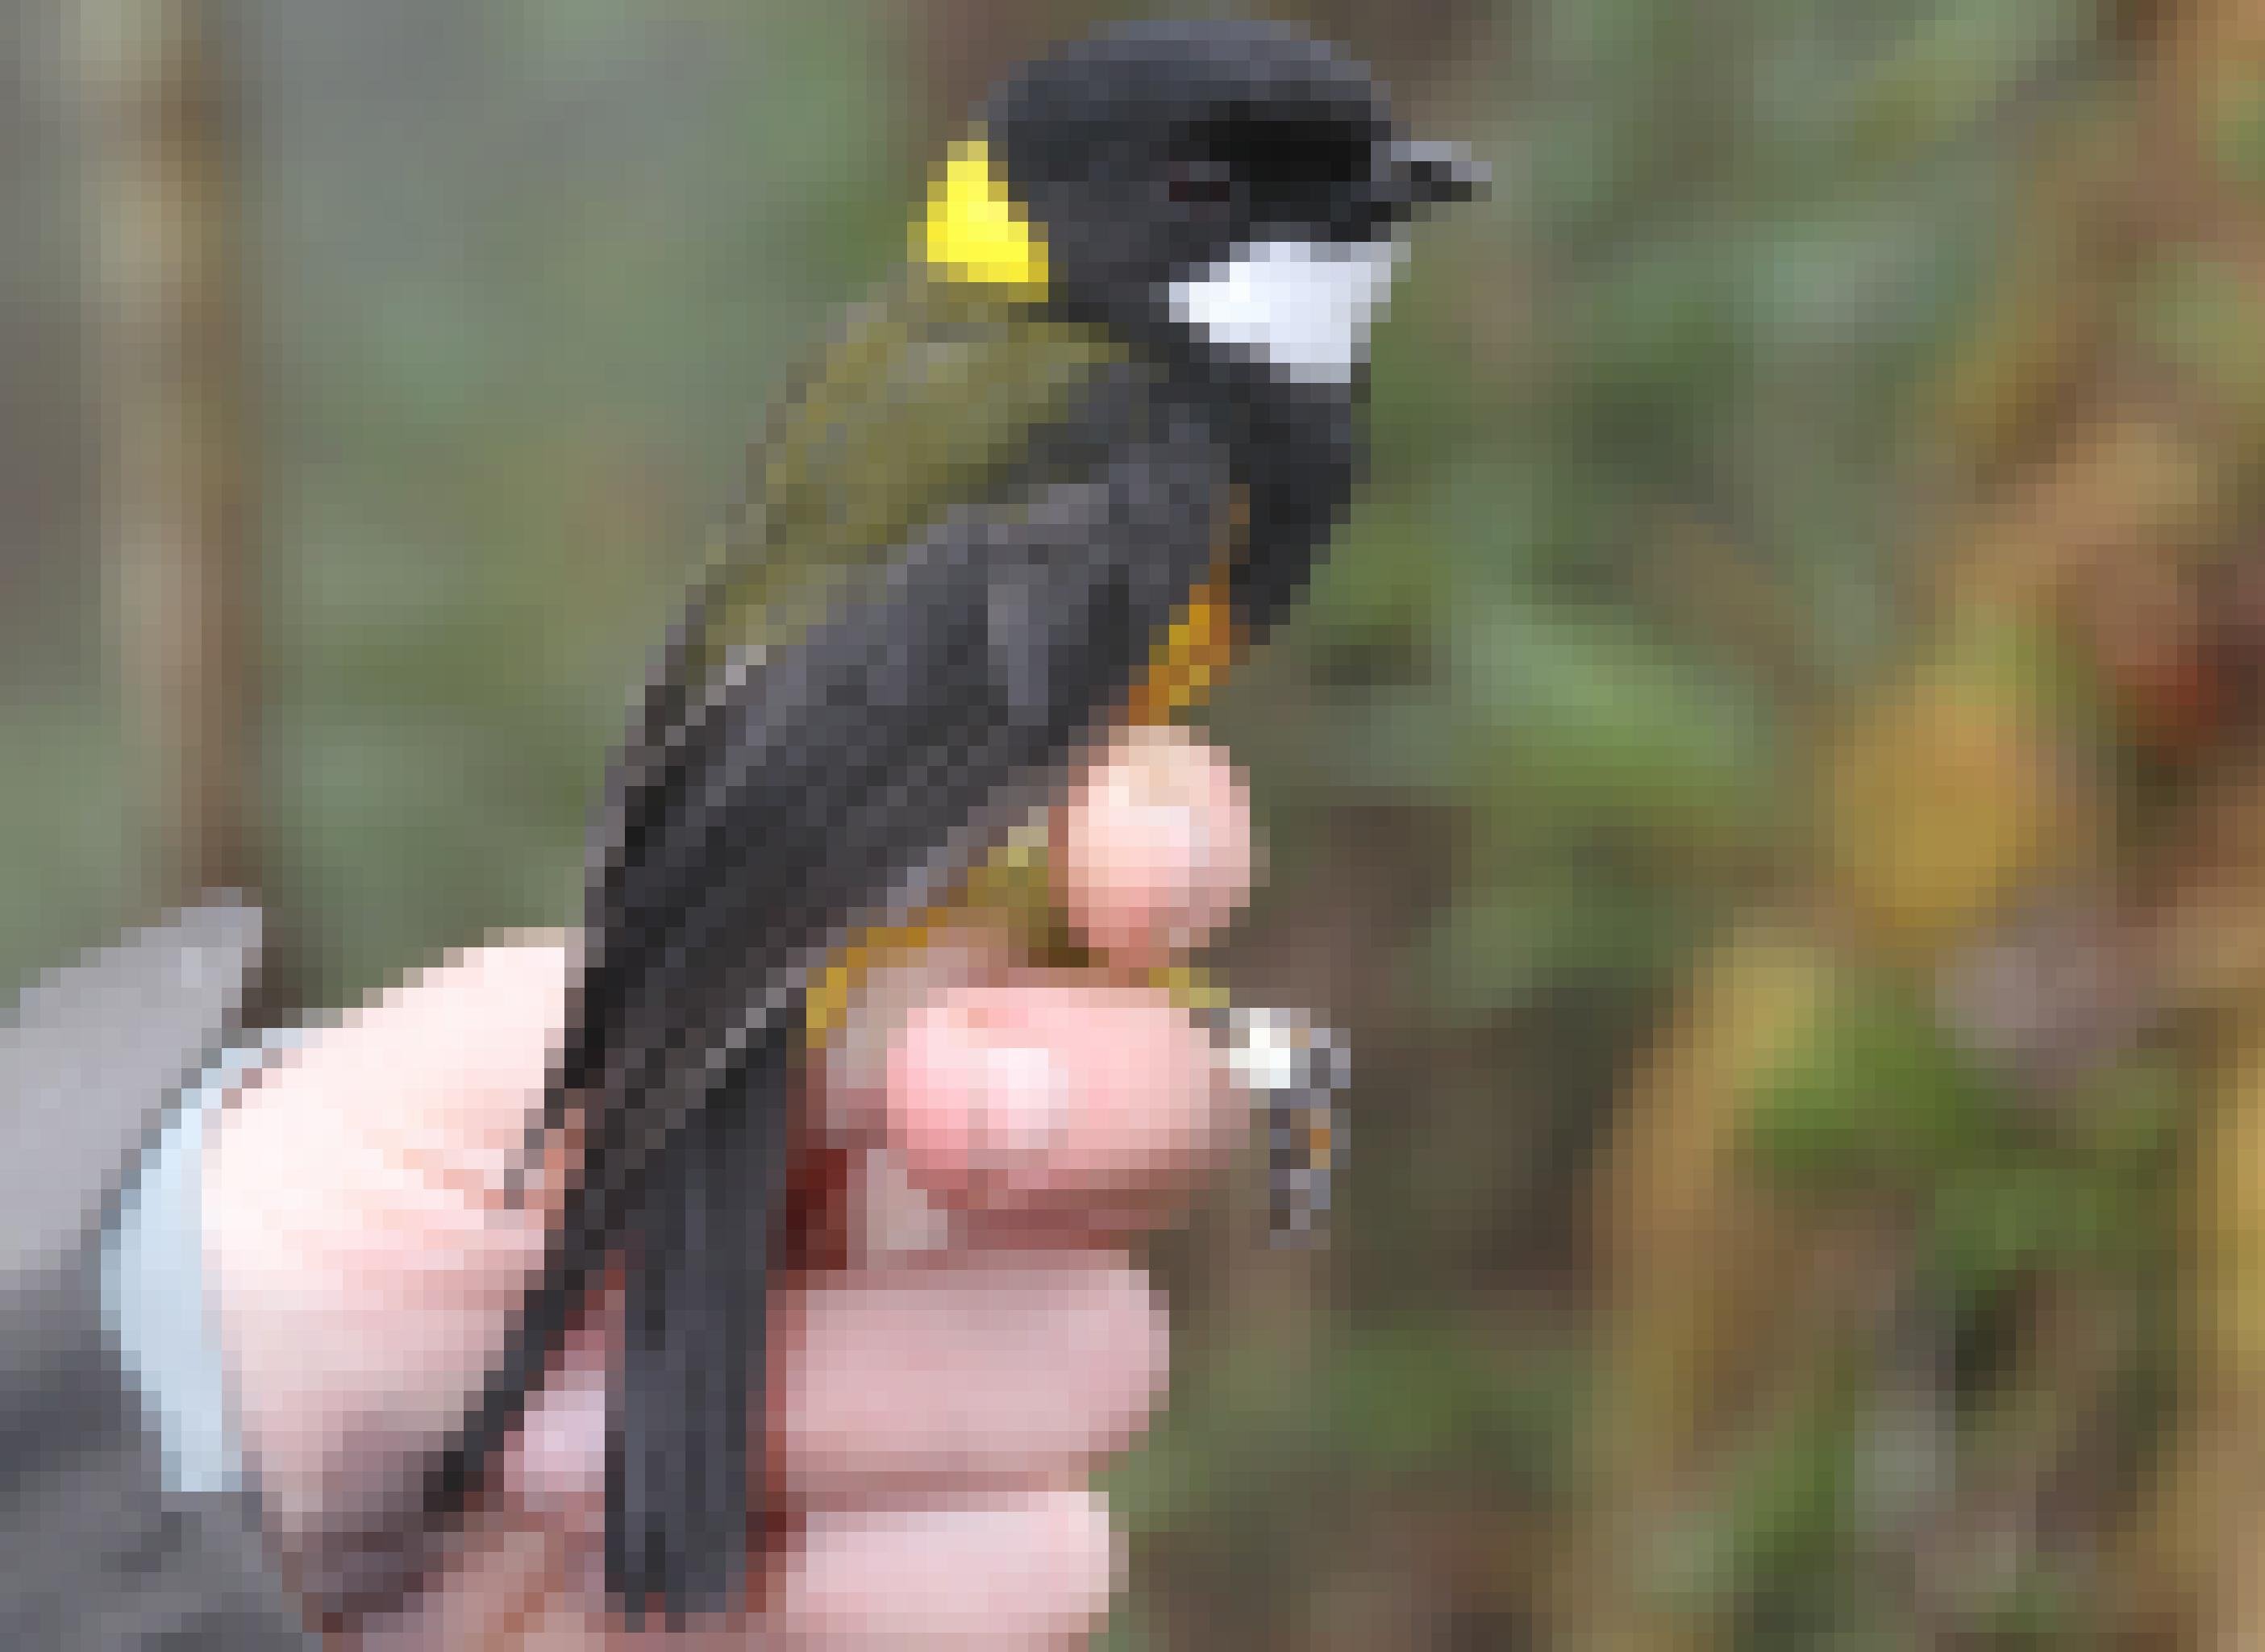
{"x": 1201, "y": 182}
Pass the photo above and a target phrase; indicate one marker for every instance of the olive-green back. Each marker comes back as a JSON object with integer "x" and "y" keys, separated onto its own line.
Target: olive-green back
{"x": 926, "y": 401}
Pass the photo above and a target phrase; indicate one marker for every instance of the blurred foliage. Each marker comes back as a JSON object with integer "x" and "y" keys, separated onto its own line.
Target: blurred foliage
{"x": 522, "y": 327}
{"x": 1649, "y": 463}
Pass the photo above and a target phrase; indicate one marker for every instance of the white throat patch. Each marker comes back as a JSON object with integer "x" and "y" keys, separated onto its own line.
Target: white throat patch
{"x": 1302, "y": 307}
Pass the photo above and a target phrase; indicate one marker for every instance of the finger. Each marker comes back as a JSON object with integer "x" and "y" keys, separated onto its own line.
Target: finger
{"x": 1030, "y": 1570}
{"x": 1050, "y": 1093}
{"x": 979, "y": 1369}
{"x": 987, "y": 1369}
{"x": 1152, "y": 848}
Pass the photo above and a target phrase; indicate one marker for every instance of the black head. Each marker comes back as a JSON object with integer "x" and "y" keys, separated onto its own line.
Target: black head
{"x": 1155, "y": 157}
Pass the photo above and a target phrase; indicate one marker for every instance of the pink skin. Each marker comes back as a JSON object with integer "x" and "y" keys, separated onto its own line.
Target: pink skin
{"x": 937, "y": 1408}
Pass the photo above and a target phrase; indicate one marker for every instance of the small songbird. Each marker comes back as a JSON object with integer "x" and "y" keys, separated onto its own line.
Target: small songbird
{"x": 1055, "y": 476}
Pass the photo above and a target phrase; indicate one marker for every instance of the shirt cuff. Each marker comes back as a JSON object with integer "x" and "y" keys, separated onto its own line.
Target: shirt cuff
{"x": 153, "y": 1285}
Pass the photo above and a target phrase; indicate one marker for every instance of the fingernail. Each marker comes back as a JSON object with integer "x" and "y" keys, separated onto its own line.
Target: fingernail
{"x": 1022, "y": 1110}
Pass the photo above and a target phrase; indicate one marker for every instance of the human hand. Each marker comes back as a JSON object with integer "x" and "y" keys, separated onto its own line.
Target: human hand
{"x": 962, "y": 1354}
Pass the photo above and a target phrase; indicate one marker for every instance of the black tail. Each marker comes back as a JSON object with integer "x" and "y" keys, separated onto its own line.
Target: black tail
{"x": 679, "y": 1451}
{"x": 694, "y": 1231}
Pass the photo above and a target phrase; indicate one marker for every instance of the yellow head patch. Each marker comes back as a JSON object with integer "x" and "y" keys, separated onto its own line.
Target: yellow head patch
{"x": 973, "y": 231}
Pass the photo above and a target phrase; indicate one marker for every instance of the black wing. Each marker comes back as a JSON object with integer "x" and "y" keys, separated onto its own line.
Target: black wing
{"x": 835, "y": 779}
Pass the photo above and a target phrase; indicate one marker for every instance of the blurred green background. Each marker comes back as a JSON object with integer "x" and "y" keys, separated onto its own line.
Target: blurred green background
{"x": 1757, "y": 776}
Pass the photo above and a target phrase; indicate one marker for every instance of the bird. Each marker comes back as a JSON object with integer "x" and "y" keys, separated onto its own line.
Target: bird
{"x": 1059, "y": 473}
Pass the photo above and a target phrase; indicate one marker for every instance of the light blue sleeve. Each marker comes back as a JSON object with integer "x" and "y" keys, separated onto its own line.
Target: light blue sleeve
{"x": 153, "y": 1284}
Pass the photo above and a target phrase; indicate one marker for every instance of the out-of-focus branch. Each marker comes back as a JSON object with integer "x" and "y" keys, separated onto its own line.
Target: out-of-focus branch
{"x": 163, "y": 160}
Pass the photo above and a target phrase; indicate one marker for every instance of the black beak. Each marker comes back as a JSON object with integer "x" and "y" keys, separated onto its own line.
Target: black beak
{"x": 1417, "y": 175}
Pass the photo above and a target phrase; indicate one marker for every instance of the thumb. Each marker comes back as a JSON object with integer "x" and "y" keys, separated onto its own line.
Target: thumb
{"x": 362, "y": 1252}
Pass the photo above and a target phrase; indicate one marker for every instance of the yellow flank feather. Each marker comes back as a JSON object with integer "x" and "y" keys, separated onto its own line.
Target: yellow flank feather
{"x": 1192, "y": 659}
{"x": 974, "y": 232}
{"x": 1188, "y": 985}
{"x": 833, "y": 989}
